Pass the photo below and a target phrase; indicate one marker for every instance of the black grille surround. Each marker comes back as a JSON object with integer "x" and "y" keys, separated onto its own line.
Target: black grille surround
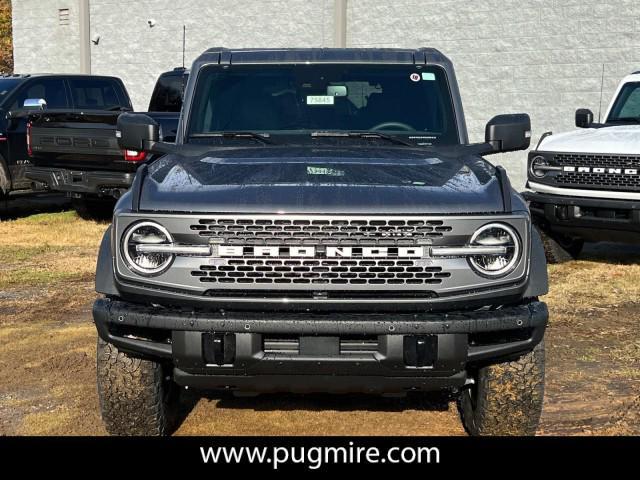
{"x": 591, "y": 171}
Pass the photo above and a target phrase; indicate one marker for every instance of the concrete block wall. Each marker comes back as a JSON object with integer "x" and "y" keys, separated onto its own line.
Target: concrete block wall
{"x": 129, "y": 48}
{"x": 542, "y": 57}
{"x": 40, "y": 43}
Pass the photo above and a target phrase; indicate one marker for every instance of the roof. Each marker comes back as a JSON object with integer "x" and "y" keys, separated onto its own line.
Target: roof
{"x": 322, "y": 55}
{"x": 32, "y": 75}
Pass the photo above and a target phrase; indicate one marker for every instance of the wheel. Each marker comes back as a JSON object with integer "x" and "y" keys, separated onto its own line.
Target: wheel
{"x": 98, "y": 209}
{"x": 506, "y": 398}
{"x": 560, "y": 249}
{"x": 5, "y": 181}
{"x": 136, "y": 396}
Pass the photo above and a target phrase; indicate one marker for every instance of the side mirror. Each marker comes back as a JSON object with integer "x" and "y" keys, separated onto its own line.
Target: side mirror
{"x": 136, "y": 131}
{"x": 508, "y": 133}
{"x": 584, "y": 118}
{"x": 35, "y": 103}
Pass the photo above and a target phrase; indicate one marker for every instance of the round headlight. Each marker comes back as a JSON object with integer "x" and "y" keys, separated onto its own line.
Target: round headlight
{"x": 508, "y": 243}
{"x": 536, "y": 165}
{"x": 139, "y": 261}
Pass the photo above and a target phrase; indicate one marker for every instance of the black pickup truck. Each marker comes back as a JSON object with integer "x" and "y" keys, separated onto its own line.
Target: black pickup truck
{"x": 321, "y": 224}
{"x": 20, "y": 95}
{"x": 76, "y": 151}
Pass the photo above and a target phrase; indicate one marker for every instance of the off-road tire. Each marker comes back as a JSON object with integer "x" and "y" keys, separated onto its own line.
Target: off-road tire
{"x": 136, "y": 396}
{"x": 559, "y": 249}
{"x": 96, "y": 209}
{"x": 506, "y": 398}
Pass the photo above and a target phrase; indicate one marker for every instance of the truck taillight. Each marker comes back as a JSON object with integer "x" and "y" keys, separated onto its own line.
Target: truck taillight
{"x": 134, "y": 156}
{"x": 29, "y": 149}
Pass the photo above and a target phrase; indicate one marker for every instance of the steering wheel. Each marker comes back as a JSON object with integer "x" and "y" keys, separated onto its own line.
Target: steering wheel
{"x": 391, "y": 125}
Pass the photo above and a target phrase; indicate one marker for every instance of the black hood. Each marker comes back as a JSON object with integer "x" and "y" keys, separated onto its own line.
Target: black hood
{"x": 354, "y": 180}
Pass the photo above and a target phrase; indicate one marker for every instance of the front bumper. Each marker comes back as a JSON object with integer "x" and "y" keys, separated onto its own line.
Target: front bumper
{"x": 338, "y": 352}
{"x": 592, "y": 219}
{"x": 82, "y": 182}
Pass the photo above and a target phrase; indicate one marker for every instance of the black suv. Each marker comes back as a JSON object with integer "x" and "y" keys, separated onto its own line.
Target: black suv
{"x": 321, "y": 224}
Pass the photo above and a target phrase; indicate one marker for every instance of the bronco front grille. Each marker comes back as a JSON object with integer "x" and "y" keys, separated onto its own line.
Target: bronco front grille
{"x": 322, "y": 272}
{"x": 603, "y": 177}
{"x": 320, "y": 232}
{"x": 321, "y": 258}
{"x": 596, "y": 160}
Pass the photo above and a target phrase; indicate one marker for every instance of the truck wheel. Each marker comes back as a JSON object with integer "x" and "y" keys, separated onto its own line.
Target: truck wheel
{"x": 97, "y": 209}
{"x": 506, "y": 398}
{"x": 136, "y": 396}
{"x": 560, "y": 249}
{"x": 5, "y": 182}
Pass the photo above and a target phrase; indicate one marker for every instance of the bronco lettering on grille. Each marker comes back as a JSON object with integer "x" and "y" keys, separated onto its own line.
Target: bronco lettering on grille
{"x": 312, "y": 252}
{"x": 611, "y": 170}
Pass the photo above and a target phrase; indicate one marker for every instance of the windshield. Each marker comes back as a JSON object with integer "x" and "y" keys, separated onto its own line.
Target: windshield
{"x": 627, "y": 106}
{"x": 167, "y": 95}
{"x": 6, "y": 87}
{"x": 406, "y": 101}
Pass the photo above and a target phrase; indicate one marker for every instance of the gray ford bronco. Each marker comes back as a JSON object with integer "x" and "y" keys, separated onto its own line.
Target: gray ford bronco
{"x": 322, "y": 224}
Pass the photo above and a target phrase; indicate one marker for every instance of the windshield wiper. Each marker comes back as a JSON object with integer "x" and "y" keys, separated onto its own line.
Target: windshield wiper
{"x": 377, "y": 135}
{"x": 262, "y": 138}
{"x": 118, "y": 108}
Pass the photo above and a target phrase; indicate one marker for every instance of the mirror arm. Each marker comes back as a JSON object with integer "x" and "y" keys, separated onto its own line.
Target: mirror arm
{"x": 485, "y": 148}
{"x": 159, "y": 147}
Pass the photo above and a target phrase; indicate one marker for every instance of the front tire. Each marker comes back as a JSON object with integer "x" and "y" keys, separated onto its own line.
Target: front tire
{"x": 506, "y": 398}
{"x": 136, "y": 396}
{"x": 96, "y": 209}
{"x": 560, "y": 249}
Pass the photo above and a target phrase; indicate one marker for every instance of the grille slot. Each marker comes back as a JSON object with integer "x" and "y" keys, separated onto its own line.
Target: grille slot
{"x": 349, "y": 346}
{"x": 321, "y": 272}
{"x": 593, "y": 180}
{"x": 320, "y": 232}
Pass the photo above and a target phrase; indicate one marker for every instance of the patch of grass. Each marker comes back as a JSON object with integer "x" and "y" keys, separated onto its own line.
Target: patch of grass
{"x": 51, "y": 218}
{"x": 63, "y": 229}
{"x": 9, "y": 253}
{"x": 34, "y": 277}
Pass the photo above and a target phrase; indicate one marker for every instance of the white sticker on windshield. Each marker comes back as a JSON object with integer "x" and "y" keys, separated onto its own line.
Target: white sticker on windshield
{"x": 415, "y": 77}
{"x": 324, "y": 171}
{"x": 320, "y": 100}
{"x": 428, "y": 76}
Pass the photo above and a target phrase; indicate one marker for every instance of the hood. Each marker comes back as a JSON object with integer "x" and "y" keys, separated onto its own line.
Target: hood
{"x": 618, "y": 139}
{"x": 356, "y": 180}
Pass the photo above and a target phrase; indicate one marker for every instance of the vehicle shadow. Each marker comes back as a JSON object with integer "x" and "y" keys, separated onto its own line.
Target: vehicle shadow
{"x": 432, "y": 401}
{"x": 24, "y": 204}
{"x": 614, "y": 253}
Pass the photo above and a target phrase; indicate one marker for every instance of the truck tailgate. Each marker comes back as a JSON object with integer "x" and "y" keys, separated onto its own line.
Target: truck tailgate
{"x": 78, "y": 140}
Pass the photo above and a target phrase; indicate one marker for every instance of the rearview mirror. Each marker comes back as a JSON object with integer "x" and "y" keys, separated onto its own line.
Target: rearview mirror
{"x": 584, "y": 118}
{"x": 138, "y": 132}
{"x": 35, "y": 103}
{"x": 508, "y": 133}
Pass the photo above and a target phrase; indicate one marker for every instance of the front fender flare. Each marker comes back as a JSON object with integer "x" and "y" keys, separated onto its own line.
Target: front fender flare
{"x": 538, "y": 277}
{"x": 105, "y": 281}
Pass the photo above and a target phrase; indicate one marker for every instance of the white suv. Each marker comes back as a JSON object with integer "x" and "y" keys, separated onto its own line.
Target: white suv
{"x": 584, "y": 185}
